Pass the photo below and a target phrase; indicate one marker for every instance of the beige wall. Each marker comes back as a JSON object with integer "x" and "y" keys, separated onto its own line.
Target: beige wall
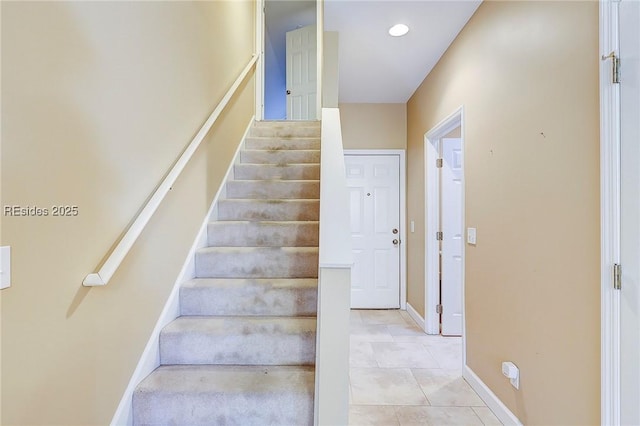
{"x": 330, "y": 70}
{"x": 374, "y": 126}
{"x": 527, "y": 75}
{"x": 99, "y": 100}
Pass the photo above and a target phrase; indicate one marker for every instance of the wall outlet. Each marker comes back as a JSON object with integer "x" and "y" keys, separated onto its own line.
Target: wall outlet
{"x": 510, "y": 371}
{"x": 5, "y": 267}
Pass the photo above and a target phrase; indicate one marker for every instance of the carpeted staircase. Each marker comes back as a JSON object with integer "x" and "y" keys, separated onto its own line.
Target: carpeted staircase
{"x": 243, "y": 350}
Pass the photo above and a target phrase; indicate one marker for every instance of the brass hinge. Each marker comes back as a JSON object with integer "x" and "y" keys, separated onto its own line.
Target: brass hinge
{"x": 439, "y": 163}
{"x": 617, "y": 276}
{"x": 439, "y": 236}
{"x": 438, "y": 309}
{"x": 615, "y": 66}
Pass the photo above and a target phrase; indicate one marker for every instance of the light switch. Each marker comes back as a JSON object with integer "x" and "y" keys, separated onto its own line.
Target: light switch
{"x": 471, "y": 236}
{"x": 5, "y": 267}
{"x": 413, "y": 226}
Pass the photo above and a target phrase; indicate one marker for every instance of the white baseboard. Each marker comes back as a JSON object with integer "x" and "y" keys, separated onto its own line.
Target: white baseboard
{"x": 416, "y": 317}
{"x": 150, "y": 359}
{"x": 499, "y": 409}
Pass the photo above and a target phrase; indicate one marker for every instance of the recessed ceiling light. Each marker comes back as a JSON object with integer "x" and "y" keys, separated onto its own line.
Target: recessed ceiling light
{"x": 398, "y": 30}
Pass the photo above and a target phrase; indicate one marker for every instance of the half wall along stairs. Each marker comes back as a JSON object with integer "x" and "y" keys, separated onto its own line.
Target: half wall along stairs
{"x": 243, "y": 350}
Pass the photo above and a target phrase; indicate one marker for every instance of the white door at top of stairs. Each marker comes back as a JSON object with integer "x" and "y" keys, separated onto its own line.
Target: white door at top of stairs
{"x": 301, "y": 63}
{"x": 374, "y": 192}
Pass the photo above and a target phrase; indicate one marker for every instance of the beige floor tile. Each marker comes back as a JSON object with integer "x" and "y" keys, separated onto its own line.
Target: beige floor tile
{"x": 385, "y": 386}
{"x": 406, "y": 354}
{"x": 486, "y": 416}
{"x": 394, "y": 364}
{"x": 386, "y": 317}
{"x": 438, "y": 416}
{"x": 370, "y": 333}
{"x": 447, "y": 353}
{"x": 427, "y": 339}
{"x": 372, "y": 415}
{"x": 446, "y": 388}
{"x": 361, "y": 355}
{"x": 407, "y": 318}
{"x": 405, "y": 330}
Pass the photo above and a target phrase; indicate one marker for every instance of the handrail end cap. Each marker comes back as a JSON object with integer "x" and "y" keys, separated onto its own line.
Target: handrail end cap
{"x": 93, "y": 280}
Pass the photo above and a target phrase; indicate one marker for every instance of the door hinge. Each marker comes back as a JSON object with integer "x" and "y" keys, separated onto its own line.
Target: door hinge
{"x": 615, "y": 66}
{"x": 439, "y": 163}
{"x": 439, "y": 236}
{"x": 617, "y": 276}
{"x": 438, "y": 309}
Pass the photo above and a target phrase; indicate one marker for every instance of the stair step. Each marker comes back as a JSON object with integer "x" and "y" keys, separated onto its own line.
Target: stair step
{"x": 279, "y": 143}
{"x": 280, "y": 156}
{"x": 257, "y": 296}
{"x": 239, "y": 340}
{"x": 225, "y": 395}
{"x": 263, "y": 234}
{"x": 272, "y": 171}
{"x": 287, "y": 123}
{"x": 257, "y": 262}
{"x": 300, "y": 131}
{"x": 274, "y": 189}
{"x": 291, "y": 143}
{"x": 268, "y": 209}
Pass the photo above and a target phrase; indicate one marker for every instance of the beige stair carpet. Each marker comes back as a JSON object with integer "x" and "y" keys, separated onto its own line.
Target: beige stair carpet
{"x": 243, "y": 350}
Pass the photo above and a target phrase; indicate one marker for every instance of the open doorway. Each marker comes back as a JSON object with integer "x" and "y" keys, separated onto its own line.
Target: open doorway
{"x": 444, "y": 156}
{"x": 290, "y": 60}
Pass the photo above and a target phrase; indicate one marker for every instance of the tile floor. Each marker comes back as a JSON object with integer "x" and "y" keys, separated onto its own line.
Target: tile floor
{"x": 401, "y": 376}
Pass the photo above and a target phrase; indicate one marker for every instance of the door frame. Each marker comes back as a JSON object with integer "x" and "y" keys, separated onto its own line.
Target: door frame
{"x": 259, "y": 48}
{"x": 609, "y": 216}
{"x": 401, "y": 153}
{"x": 432, "y": 219}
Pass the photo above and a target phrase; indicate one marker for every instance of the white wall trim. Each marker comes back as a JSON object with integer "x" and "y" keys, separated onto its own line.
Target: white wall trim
{"x": 403, "y": 211}
{"x": 416, "y": 317}
{"x": 259, "y": 49}
{"x": 493, "y": 402}
{"x": 150, "y": 358}
{"x": 609, "y": 216}
{"x": 432, "y": 218}
{"x": 320, "y": 56}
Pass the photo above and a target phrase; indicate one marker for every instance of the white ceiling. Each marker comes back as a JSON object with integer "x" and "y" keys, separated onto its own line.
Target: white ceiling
{"x": 378, "y": 68}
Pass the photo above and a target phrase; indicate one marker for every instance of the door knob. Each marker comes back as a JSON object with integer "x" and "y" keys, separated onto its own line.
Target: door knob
{"x": 395, "y": 242}
{"x": 288, "y": 92}
{"x": 395, "y": 230}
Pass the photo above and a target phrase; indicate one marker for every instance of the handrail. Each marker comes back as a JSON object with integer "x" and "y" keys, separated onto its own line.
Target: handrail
{"x": 118, "y": 254}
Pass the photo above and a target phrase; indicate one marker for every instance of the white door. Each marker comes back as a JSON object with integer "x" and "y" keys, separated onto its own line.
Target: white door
{"x": 451, "y": 227}
{"x": 374, "y": 192}
{"x": 630, "y": 212}
{"x": 301, "y": 73}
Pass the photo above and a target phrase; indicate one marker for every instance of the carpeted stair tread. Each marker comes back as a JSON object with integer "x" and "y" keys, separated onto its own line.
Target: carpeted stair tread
{"x": 270, "y": 189}
{"x": 282, "y": 143}
{"x": 249, "y": 296}
{"x": 257, "y": 262}
{"x": 247, "y": 209}
{"x": 239, "y": 340}
{"x": 197, "y": 395}
{"x": 279, "y": 156}
{"x": 275, "y": 171}
{"x": 263, "y": 233}
{"x": 285, "y": 131}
